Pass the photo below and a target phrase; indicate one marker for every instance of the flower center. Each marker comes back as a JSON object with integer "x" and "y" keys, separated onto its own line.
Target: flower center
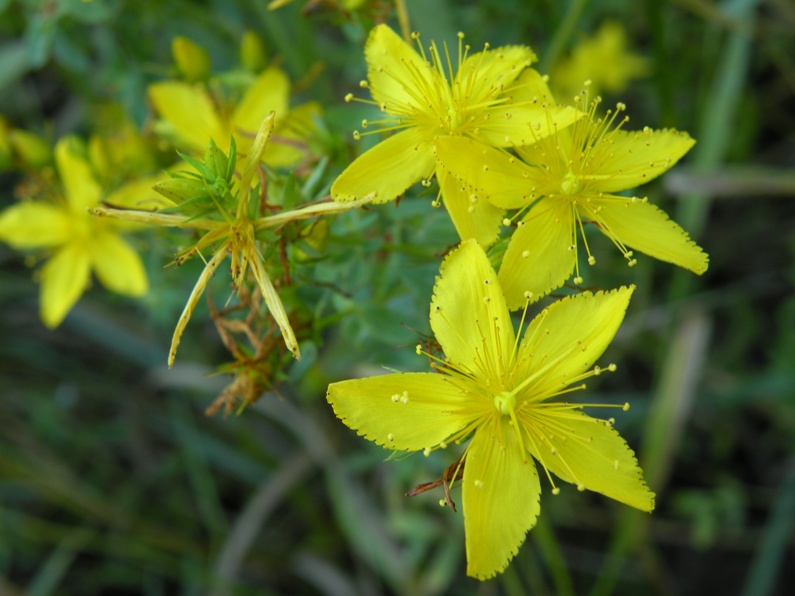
{"x": 570, "y": 183}
{"x": 505, "y": 402}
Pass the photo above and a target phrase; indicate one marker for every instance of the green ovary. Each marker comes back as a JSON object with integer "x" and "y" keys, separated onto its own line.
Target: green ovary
{"x": 505, "y": 402}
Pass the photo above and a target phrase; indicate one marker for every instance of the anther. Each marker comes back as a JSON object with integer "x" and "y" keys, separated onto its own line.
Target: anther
{"x": 426, "y": 452}
{"x": 349, "y": 97}
{"x": 525, "y": 254}
{"x": 418, "y": 349}
{"x": 612, "y": 368}
{"x": 625, "y": 407}
{"x": 581, "y": 487}
{"x": 555, "y": 490}
{"x": 479, "y": 483}
{"x": 390, "y": 437}
{"x": 592, "y": 260}
{"x": 506, "y": 222}
{"x": 356, "y": 135}
{"x": 578, "y": 280}
{"x": 528, "y": 295}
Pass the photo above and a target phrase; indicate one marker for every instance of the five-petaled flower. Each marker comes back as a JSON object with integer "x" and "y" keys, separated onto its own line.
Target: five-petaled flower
{"x": 78, "y": 243}
{"x": 566, "y": 180}
{"x": 505, "y": 394}
{"x": 423, "y": 99}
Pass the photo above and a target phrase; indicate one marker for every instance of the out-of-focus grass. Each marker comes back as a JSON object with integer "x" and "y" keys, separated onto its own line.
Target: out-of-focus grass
{"x": 113, "y": 480}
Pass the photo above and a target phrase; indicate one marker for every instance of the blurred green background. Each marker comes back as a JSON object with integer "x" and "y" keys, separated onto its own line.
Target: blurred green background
{"x": 113, "y": 480}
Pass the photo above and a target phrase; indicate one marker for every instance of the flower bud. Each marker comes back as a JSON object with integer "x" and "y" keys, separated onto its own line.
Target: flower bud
{"x": 252, "y": 52}
{"x": 180, "y": 189}
{"x": 192, "y": 60}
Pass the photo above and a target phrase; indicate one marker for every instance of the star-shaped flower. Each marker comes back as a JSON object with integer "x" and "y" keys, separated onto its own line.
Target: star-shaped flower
{"x": 78, "y": 243}
{"x": 569, "y": 179}
{"x": 423, "y": 99}
{"x": 505, "y": 394}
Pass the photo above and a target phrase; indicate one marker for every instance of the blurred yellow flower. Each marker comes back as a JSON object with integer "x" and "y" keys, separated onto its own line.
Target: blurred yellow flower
{"x": 567, "y": 180}
{"x": 605, "y": 59}
{"x": 423, "y": 99}
{"x": 505, "y": 394}
{"x": 190, "y": 116}
{"x": 77, "y": 242}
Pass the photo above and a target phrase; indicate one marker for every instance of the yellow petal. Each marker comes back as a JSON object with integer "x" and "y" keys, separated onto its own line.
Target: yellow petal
{"x": 469, "y": 316}
{"x": 189, "y": 113}
{"x": 80, "y": 187}
{"x": 473, "y": 217}
{"x": 386, "y": 170}
{"x": 567, "y": 337}
{"x": 193, "y": 299}
{"x": 64, "y": 278}
{"x": 538, "y": 259}
{"x": 35, "y": 225}
{"x": 642, "y": 226}
{"x": 531, "y": 115}
{"x": 404, "y": 412}
{"x": 630, "y": 159}
{"x": 484, "y": 71}
{"x": 269, "y": 92}
{"x": 118, "y": 266}
{"x": 501, "y": 498}
{"x": 521, "y": 124}
{"x": 588, "y": 453}
{"x": 397, "y": 74}
{"x": 491, "y": 173}
{"x": 274, "y": 303}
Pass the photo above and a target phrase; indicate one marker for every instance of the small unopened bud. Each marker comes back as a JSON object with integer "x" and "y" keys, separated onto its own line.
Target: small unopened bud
{"x": 192, "y": 60}
{"x": 252, "y": 52}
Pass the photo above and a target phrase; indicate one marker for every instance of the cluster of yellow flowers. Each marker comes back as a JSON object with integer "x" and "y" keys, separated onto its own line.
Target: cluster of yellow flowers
{"x": 521, "y": 175}
{"x": 506, "y": 153}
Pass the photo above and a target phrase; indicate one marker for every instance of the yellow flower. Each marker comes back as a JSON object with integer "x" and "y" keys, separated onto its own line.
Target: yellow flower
{"x": 230, "y": 232}
{"x": 604, "y": 59}
{"x": 78, "y": 243}
{"x": 191, "y": 116}
{"x": 504, "y": 393}
{"x": 570, "y": 179}
{"x": 424, "y": 100}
